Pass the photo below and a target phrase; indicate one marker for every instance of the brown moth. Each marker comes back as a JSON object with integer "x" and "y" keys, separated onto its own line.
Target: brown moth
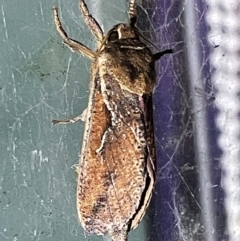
{"x": 117, "y": 164}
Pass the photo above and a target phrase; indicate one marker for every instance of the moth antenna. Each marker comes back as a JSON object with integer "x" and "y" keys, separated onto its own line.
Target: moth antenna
{"x": 145, "y": 39}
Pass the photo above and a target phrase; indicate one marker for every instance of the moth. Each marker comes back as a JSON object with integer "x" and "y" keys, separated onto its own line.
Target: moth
{"x": 116, "y": 170}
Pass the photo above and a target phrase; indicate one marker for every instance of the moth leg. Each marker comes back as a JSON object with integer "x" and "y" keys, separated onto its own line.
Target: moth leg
{"x": 91, "y": 22}
{"x": 103, "y": 139}
{"x": 158, "y": 55}
{"x": 81, "y": 117}
{"x": 76, "y": 168}
{"x": 72, "y": 44}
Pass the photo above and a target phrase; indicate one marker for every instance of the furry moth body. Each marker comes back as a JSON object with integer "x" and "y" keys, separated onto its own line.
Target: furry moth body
{"x": 117, "y": 164}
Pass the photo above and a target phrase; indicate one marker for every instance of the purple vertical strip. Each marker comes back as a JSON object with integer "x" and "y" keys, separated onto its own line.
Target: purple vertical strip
{"x": 178, "y": 209}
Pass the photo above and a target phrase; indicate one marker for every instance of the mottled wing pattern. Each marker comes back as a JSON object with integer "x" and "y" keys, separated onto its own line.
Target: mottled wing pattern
{"x": 117, "y": 155}
{"x": 108, "y": 205}
{"x": 129, "y": 100}
{"x": 91, "y": 167}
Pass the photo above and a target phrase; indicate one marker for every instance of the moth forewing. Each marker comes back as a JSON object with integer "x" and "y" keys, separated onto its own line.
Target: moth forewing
{"x": 116, "y": 168}
{"x": 115, "y": 154}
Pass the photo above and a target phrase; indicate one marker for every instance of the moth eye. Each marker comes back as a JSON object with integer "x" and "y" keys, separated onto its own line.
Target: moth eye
{"x": 113, "y": 36}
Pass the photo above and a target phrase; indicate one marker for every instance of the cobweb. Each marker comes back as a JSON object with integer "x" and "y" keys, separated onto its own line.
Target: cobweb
{"x": 196, "y": 116}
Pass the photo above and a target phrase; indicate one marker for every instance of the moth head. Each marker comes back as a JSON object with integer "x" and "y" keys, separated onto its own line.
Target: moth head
{"x": 121, "y": 31}
{"x": 125, "y": 31}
